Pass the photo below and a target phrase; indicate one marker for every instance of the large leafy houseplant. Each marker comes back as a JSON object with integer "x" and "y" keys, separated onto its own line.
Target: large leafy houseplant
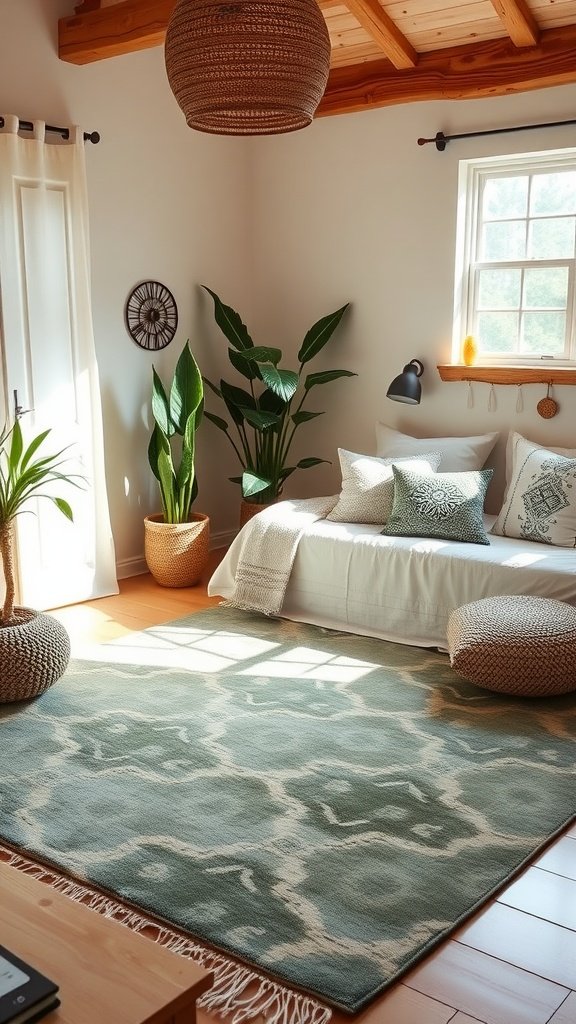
{"x": 24, "y": 474}
{"x": 172, "y": 448}
{"x": 266, "y": 417}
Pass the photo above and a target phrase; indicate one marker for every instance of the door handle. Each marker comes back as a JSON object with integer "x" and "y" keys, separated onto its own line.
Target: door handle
{"x": 18, "y": 410}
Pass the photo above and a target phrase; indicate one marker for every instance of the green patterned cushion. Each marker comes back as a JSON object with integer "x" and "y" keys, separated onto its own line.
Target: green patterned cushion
{"x": 445, "y": 505}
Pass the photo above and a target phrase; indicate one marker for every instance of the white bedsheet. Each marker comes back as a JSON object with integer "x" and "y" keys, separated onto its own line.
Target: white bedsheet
{"x": 350, "y": 577}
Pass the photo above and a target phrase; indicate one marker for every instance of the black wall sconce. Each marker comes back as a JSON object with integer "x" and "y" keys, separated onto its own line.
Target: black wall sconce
{"x": 406, "y": 386}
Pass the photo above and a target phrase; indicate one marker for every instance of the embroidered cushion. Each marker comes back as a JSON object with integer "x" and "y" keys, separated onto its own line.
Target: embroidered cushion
{"x": 368, "y": 486}
{"x": 540, "y": 503}
{"x": 445, "y": 505}
{"x": 458, "y": 454}
{"x": 514, "y": 438}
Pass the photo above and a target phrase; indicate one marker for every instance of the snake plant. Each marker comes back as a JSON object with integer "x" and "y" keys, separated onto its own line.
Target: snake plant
{"x": 177, "y": 417}
{"x": 266, "y": 416}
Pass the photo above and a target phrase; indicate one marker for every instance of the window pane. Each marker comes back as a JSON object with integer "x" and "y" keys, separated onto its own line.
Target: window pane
{"x": 505, "y": 197}
{"x": 551, "y": 239}
{"x": 553, "y": 193}
{"x": 547, "y": 286}
{"x": 504, "y": 240}
{"x": 499, "y": 289}
{"x": 543, "y": 333}
{"x": 497, "y": 332}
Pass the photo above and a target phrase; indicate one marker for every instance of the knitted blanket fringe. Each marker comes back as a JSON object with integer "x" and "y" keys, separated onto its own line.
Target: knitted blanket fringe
{"x": 270, "y": 542}
{"x": 238, "y": 994}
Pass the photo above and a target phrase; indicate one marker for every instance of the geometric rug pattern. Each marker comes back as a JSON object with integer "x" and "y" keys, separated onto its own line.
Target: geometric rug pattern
{"x": 323, "y": 806}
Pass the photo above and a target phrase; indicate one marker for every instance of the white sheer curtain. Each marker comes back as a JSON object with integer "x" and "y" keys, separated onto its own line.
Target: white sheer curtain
{"x": 49, "y": 358}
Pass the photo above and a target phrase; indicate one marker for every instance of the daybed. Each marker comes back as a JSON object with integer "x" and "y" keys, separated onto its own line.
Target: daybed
{"x": 293, "y": 561}
{"x": 347, "y": 576}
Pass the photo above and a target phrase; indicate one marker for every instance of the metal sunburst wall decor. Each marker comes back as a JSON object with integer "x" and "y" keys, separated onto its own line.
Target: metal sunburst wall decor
{"x": 151, "y": 315}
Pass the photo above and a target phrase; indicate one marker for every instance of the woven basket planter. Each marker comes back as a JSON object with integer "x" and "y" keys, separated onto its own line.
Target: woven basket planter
{"x": 176, "y": 553}
{"x": 249, "y": 509}
{"x": 34, "y": 653}
{"x": 252, "y": 68}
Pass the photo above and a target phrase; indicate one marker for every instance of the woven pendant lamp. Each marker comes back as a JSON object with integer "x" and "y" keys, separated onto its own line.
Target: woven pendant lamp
{"x": 247, "y": 67}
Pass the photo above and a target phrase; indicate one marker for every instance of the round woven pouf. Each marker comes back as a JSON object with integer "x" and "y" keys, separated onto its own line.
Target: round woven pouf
{"x": 517, "y": 645}
{"x": 34, "y": 653}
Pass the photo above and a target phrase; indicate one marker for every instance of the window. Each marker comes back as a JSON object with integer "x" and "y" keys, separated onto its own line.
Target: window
{"x": 516, "y": 258}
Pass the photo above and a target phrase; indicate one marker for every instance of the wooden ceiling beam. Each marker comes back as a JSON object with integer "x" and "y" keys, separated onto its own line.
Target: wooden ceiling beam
{"x": 384, "y": 32}
{"x": 518, "y": 21}
{"x": 491, "y": 68}
{"x": 110, "y": 31}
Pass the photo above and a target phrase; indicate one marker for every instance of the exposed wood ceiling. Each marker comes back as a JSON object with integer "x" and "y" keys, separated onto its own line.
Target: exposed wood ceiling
{"x": 382, "y": 52}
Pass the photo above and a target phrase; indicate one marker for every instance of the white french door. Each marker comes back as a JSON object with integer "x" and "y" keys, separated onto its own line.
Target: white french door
{"x": 50, "y": 373}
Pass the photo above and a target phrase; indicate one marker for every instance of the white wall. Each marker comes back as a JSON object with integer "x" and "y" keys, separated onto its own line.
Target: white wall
{"x": 352, "y": 209}
{"x": 166, "y": 203}
{"x": 286, "y": 229}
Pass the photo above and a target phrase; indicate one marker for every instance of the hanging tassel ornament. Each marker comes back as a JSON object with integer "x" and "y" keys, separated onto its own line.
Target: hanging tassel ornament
{"x": 470, "y": 402}
{"x": 547, "y": 407}
{"x": 492, "y": 399}
{"x": 519, "y": 400}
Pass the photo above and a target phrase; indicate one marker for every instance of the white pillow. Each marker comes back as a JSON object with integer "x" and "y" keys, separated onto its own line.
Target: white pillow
{"x": 540, "y": 503}
{"x": 513, "y": 438}
{"x": 458, "y": 454}
{"x": 367, "y": 493}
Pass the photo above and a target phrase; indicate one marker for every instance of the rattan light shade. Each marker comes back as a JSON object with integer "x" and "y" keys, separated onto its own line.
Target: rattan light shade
{"x": 247, "y": 67}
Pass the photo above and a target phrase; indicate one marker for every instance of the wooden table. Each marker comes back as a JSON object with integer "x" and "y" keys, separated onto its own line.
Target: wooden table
{"x": 107, "y": 973}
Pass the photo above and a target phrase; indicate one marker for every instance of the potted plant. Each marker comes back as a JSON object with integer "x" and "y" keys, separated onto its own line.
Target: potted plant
{"x": 177, "y": 539}
{"x": 266, "y": 416}
{"x": 34, "y": 648}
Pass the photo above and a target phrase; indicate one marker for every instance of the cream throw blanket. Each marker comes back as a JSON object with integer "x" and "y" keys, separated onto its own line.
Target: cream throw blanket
{"x": 270, "y": 542}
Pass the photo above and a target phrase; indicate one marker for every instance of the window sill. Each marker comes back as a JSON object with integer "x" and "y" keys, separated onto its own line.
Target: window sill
{"x": 509, "y": 374}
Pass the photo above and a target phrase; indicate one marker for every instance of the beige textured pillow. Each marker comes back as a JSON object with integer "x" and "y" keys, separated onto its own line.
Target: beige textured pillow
{"x": 540, "y": 503}
{"x": 367, "y": 491}
{"x": 458, "y": 454}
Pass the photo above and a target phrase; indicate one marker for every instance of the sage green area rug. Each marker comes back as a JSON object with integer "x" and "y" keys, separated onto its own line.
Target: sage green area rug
{"x": 323, "y": 806}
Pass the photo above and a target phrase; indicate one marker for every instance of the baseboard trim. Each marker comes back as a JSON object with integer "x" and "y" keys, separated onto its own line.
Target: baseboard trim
{"x": 131, "y": 567}
{"x": 136, "y": 566}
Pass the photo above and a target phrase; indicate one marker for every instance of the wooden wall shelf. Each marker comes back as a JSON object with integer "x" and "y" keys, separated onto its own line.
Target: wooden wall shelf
{"x": 509, "y": 374}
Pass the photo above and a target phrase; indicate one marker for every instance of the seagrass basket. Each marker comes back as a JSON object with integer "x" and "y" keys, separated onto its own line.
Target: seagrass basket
{"x": 177, "y": 553}
{"x": 34, "y": 653}
{"x": 249, "y": 509}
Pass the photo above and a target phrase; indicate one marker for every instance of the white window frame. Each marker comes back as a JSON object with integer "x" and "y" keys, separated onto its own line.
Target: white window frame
{"x": 471, "y": 177}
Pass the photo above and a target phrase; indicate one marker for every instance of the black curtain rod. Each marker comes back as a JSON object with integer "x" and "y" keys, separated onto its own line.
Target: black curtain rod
{"x": 442, "y": 140}
{"x": 27, "y": 126}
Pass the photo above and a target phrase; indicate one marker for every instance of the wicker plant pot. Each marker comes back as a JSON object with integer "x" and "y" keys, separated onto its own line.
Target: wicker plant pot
{"x": 34, "y": 653}
{"x": 176, "y": 553}
{"x": 249, "y": 509}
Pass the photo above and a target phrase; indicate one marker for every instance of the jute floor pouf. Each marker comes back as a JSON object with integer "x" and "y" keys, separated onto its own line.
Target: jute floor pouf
{"x": 518, "y": 645}
{"x": 34, "y": 653}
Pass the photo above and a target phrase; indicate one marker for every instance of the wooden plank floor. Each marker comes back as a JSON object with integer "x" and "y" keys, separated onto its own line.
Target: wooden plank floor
{"x": 513, "y": 963}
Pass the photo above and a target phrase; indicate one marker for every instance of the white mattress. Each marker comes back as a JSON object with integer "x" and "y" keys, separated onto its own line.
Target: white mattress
{"x": 350, "y": 577}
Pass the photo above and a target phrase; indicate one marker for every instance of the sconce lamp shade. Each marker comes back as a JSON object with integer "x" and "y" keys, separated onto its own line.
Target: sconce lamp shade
{"x": 247, "y": 67}
{"x": 406, "y": 386}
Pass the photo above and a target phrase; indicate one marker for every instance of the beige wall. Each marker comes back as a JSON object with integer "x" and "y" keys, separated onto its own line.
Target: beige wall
{"x": 166, "y": 203}
{"x": 352, "y": 209}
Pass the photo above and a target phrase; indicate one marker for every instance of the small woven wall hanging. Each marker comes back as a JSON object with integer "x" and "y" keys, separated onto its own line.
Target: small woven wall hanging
{"x": 547, "y": 407}
{"x": 258, "y": 67}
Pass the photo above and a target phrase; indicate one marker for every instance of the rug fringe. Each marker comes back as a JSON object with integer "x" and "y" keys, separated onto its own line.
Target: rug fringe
{"x": 239, "y": 993}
